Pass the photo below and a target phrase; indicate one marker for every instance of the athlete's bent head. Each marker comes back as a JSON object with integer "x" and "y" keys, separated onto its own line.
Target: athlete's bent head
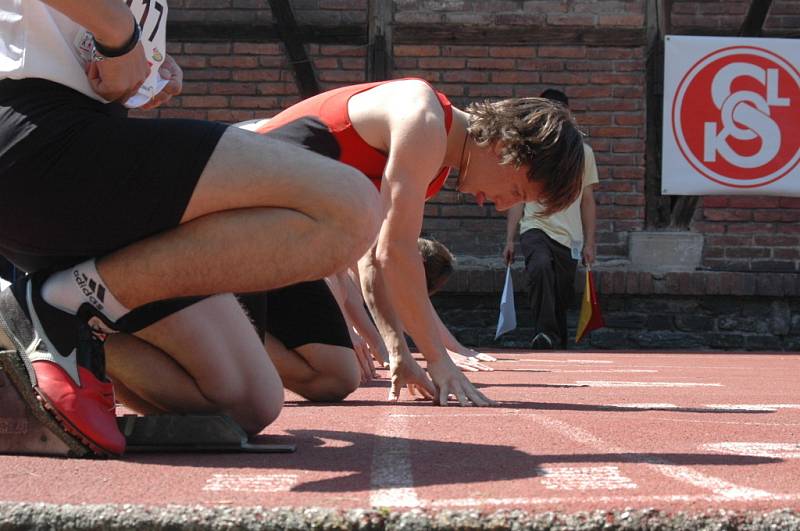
{"x": 538, "y": 134}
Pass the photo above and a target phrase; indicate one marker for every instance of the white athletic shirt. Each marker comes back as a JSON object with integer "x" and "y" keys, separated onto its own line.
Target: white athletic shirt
{"x": 566, "y": 226}
{"x": 37, "y": 41}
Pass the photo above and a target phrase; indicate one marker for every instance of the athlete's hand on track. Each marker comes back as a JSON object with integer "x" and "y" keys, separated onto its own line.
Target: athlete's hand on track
{"x": 470, "y": 353}
{"x": 364, "y": 358}
{"x": 119, "y": 78}
{"x": 450, "y": 381}
{"x": 467, "y": 363}
{"x": 405, "y": 371}
{"x": 171, "y": 71}
{"x": 473, "y": 357}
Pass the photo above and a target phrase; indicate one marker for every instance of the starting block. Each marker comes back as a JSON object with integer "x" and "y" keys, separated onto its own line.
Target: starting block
{"x": 26, "y": 428}
{"x": 190, "y": 433}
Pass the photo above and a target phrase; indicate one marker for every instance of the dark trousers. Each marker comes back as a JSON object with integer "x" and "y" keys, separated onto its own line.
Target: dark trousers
{"x": 550, "y": 283}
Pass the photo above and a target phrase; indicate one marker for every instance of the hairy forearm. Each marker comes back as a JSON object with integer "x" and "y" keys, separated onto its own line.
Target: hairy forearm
{"x": 358, "y": 317}
{"x": 110, "y": 21}
{"x": 374, "y": 292}
{"x": 405, "y": 285}
{"x": 448, "y": 339}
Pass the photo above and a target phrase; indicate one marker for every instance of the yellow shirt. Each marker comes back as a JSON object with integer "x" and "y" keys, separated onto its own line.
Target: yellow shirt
{"x": 565, "y": 226}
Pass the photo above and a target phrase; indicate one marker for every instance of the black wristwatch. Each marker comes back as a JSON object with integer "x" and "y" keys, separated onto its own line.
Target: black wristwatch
{"x": 102, "y": 52}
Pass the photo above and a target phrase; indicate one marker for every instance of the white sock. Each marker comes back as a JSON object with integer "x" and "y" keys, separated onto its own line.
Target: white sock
{"x": 67, "y": 290}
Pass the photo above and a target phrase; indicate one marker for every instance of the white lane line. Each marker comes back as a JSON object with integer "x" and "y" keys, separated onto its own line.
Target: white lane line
{"x": 753, "y": 407}
{"x": 455, "y": 415}
{"x": 683, "y": 474}
{"x": 598, "y": 500}
{"x": 392, "y": 478}
{"x": 578, "y": 362}
{"x": 603, "y": 370}
{"x": 585, "y": 478}
{"x": 717, "y": 486}
{"x": 756, "y": 449}
{"x": 250, "y": 482}
{"x": 604, "y": 383}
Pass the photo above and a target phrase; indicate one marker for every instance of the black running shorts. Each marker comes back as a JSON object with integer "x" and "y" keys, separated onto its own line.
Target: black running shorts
{"x": 298, "y": 315}
{"x": 79, "y": 179}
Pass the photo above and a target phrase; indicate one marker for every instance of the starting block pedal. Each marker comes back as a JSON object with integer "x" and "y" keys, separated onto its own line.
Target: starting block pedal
{"x": 190, "y": 433}
{"x": 26, "y": 428}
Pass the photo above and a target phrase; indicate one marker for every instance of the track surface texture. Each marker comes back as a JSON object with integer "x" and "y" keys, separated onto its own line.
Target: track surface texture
{"x": 589, "y": 440}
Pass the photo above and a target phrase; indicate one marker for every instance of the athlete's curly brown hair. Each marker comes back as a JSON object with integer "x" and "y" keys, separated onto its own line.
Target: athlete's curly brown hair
{"x": 438, "y": 261}
{"x": 539, "y": 133}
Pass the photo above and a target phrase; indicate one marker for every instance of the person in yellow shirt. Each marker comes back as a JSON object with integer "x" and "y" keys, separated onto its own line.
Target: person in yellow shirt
{"x": 552, "y": 246}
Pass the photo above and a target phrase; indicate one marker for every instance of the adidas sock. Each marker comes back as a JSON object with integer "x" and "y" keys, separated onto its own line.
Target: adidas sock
{"x": 67, "y": 290}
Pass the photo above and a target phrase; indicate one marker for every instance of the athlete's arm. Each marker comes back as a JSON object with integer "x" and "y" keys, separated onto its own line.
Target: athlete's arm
{"x": 464, "y": 357}
{"x": 354, "y": 308}
{"x": 589, "y": 222}
{"x": 418, "y": 143}
{"x": 110, "y": 21}
{"x": 112, "y": 24}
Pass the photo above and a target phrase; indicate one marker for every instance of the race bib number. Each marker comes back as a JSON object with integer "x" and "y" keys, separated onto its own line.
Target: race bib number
{"x": 151, "y": 15}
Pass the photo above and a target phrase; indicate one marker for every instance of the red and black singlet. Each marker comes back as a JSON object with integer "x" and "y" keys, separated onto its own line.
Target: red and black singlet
{"x": 322, "y": 124}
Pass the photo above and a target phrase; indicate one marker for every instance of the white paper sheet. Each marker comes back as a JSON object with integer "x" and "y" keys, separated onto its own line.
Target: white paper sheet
{"x": 153, "y": 85}
{"x": 508, "y": 313}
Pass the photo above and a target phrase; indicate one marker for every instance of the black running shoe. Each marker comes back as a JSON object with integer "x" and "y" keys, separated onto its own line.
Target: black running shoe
{"x": 542, "y": 341}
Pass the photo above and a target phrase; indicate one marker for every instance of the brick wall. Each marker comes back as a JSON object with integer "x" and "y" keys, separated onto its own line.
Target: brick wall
{"x": 752, "y": 244}
{"x": 708, "y": 15}
{"x": 605, "y": 86}
{"x": 231, "y": 81}
{"x": 330, "y": 12}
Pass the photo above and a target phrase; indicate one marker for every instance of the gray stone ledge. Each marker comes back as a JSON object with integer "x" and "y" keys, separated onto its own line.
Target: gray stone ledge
{"x": 487, "y": 275}
{"x": 42, "y": 516}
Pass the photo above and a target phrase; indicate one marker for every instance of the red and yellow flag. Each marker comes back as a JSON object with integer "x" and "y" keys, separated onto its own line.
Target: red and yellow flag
{"x": 590, "y": 317}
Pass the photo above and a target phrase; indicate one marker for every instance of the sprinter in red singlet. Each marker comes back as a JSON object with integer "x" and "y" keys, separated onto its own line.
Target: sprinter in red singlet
{"x": 406, "y": 136}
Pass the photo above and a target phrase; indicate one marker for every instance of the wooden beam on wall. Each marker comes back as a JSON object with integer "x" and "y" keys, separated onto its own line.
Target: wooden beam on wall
{"x": 657, "y": 206}
{"x": 295, "y": 48}
{"x": 753, "y": 24}
{"x": 379, "y": 53}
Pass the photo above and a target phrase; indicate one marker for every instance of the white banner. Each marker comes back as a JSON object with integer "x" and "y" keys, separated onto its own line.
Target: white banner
{"x": 731, "y": 116}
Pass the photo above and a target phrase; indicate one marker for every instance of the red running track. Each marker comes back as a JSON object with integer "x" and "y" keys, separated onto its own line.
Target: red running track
{"x": 574, "y": 431}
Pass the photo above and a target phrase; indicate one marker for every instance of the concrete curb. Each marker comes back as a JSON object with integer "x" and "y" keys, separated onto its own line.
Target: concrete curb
{"x": 42, "y": 516}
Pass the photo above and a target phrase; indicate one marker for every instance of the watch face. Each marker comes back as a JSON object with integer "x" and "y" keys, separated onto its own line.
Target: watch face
{"x": 84, "y": 44}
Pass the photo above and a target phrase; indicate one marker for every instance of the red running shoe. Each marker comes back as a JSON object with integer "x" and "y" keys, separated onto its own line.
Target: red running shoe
{"x": 65, "y": 360}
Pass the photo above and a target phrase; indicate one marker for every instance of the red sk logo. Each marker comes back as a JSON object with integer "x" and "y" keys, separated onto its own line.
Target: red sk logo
{"x": 736, "y": 117}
